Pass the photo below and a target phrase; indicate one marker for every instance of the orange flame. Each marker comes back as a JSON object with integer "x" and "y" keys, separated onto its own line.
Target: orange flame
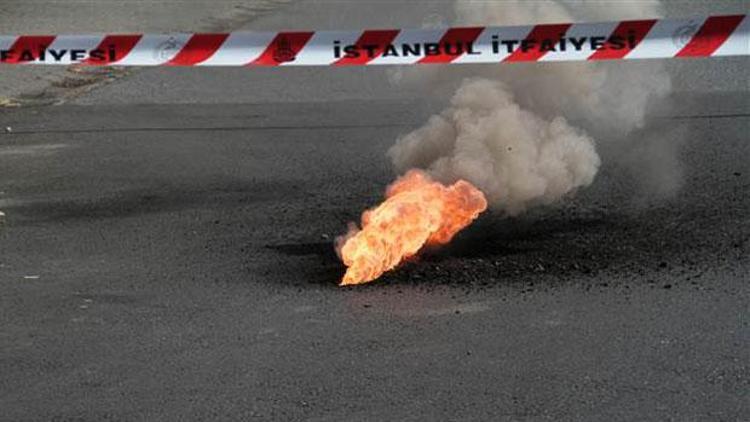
{"x": 417, "y": 212}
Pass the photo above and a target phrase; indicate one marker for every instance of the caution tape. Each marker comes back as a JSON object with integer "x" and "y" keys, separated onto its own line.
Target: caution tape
{"x": 638, "y": 39}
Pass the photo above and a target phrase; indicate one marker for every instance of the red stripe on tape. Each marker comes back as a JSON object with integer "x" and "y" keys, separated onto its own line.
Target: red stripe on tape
{"x": 29, "y": 48}
{"x": 199, "y": 48}
{"x": 631, "y": 33}
{"x": 459, "y": 39}
{"x": 714, "y": 32}
{"x": 115, "y": 48}
{"x": 370, "y": 45}
{"x": 284, "y": 48}
{"x": 533, "y": 47}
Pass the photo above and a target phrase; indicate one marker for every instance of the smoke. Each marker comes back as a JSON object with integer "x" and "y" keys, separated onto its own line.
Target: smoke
{"x": 515, "y": 157}
{"x": 528, "y": 134}
{"x": 525, "y": 12}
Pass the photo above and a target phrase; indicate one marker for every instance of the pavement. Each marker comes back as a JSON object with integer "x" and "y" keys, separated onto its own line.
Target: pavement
{"x": 166, "y": 254}
{"x": 51, "y": 85}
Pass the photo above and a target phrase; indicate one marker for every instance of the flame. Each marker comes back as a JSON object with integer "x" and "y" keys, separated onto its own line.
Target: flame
{"x": 418, "y": 211}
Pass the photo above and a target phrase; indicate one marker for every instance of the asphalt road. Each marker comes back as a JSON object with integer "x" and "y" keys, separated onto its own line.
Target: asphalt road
{"x": 45, "y": 85}
{"x": 168, "y": 256}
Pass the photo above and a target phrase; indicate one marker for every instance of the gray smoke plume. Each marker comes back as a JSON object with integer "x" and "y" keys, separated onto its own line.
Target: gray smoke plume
{"x": 524, "y": 134}
{"x": 515, "y": 157}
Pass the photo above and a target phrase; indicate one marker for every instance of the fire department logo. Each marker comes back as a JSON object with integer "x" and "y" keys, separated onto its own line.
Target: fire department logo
{"x": 683, "y": 34}
{"x": 167, "y": 49}
{"x": 284, "y": 52}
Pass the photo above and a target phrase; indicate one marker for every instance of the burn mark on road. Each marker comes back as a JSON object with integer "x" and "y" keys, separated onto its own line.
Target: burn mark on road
{"x": 535, "y": 252}
{"x": 316, "y": 262}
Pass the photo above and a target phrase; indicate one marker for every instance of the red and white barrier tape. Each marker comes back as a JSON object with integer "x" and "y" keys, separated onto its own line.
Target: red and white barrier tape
{"x": 641, "y": 39}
